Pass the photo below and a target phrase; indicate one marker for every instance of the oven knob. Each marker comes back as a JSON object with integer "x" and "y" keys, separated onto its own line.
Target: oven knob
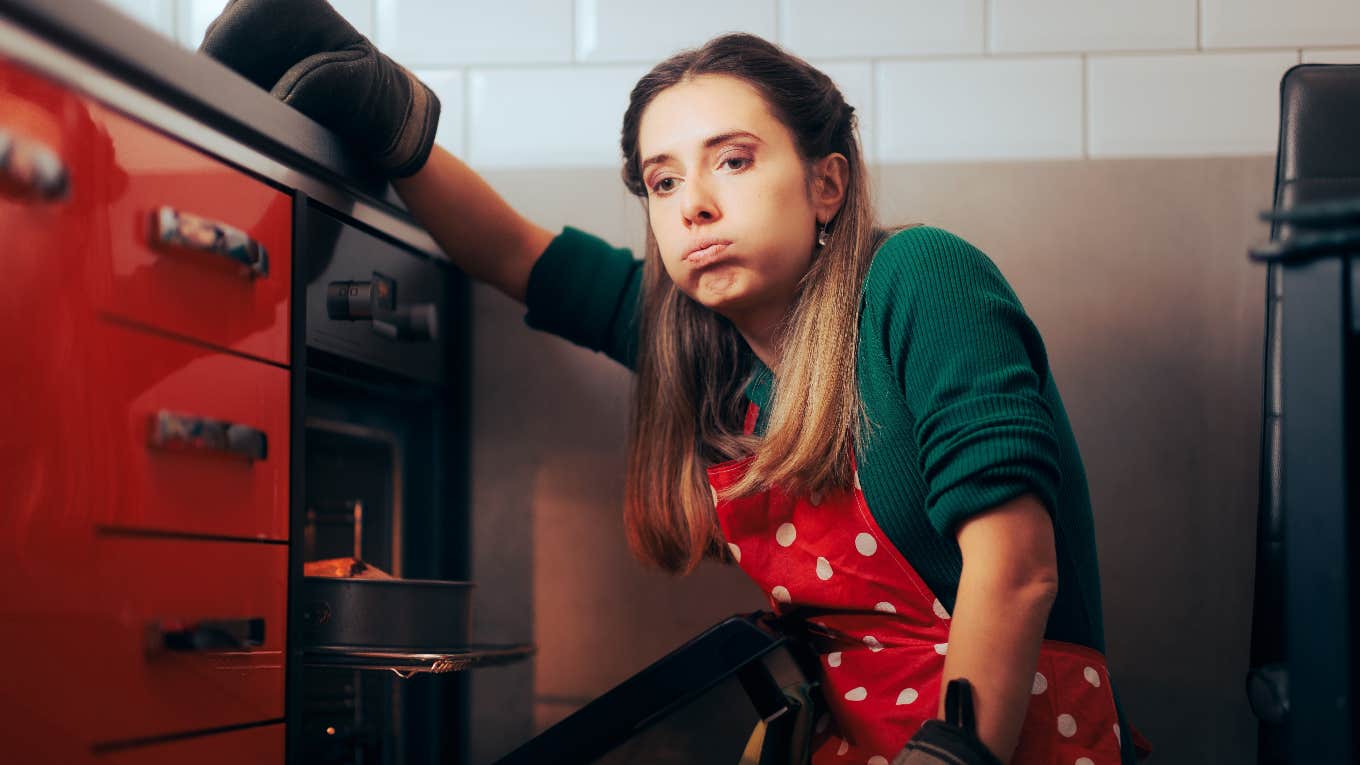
{"x": 409, "y": 322}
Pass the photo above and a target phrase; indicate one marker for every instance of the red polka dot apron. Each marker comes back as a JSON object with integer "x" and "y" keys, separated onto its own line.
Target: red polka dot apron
{"x": 882, "y": 635}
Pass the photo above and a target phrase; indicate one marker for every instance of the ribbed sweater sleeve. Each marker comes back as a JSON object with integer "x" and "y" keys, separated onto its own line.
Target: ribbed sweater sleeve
{"x": 586, "y": 291}
{"x": 970, "y": 365}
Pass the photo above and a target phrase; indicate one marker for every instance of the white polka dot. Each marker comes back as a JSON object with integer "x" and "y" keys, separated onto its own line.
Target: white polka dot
{"x": 822, "y": 722}
{"x": 907, "y": 696}
{"x": 1040, "y": 684}
{"x": 833, "y": 659}
{"x": 823, "y": 569}
{"x": 885, "y": 607}
{"x": 785, "y": 534}
{"x": 815, "y": 498}
{"x": 865, "y": 543}
{"x": 1092, "y": 676}
{"x": 942, "y": 648}
{"x": 856, "y": 694}
{"x": 843, "y": 748}
{"x": 1116, "y": 733}
{"x": 939, "y": 609}
{"x": 1067, "y": 725}
{"x": 878, "y": 759}
{"x": 714, "y": 489}
{"x": 781, "y": 594}
{"x": 857, "y": 486}
{"x": 873, "y": 643}
{"x": 736, "y": 551}
{"x": 1085, "y": 761}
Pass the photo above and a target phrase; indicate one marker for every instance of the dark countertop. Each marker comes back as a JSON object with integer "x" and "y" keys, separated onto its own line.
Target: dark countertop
{"x": 201, "y": 88}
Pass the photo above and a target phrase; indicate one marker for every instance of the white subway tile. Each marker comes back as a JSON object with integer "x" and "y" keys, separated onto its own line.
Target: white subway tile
{"x": 856, "y": 82}
{"x": 993, "y": 108}
{"x": 1185, "y": 104}
{"x": 650, "y": 30}
{"x": 447, "y": 85}
{"x": 443, "y": 32}
{"x": 1048, "y": 26}
{"x": 864, "y": 28}
{"x": 1279, "y": 23}
{"x": 196, "y": 15}
{"x": 1333, "y": 56}
{"x": 548, "y": 116}
{"x": 156, "y": 14}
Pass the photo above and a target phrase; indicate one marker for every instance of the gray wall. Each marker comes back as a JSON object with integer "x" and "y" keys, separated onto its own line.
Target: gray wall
{"x": 1135, "y": 272}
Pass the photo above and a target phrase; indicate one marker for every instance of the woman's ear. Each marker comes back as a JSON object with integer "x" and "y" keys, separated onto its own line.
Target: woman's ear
{"x": 830, "y": 176}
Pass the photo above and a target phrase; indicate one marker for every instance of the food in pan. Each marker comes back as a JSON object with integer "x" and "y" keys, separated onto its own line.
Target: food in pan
{"x": 344, "y": 568}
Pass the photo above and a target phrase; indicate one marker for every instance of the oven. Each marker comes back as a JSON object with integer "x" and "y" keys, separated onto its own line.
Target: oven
{"x": 376, "y": 667}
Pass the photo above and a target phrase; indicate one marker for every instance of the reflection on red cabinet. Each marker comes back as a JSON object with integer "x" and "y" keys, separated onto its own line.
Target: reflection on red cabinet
{"x": 252, "y": 745}
{"x": 191, "y": 246}
{"x": 128, "y": 669}
{"x": 142, "y": 387}
{"x": 106, "y": 530}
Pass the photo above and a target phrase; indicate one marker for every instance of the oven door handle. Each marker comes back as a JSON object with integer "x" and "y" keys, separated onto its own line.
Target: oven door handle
{"x": 173, "y": 229}
{"x": 204, "y": 635}
{"x": 173, "y": 431}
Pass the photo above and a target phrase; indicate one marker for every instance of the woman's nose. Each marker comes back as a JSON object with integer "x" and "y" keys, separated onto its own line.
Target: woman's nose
{"x": 699, "y": 204}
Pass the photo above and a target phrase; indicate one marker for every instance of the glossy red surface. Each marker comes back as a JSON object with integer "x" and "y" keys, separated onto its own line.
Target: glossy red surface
{"x": 93, "y": 679}
{"x": 83, "y": 368}
{"x": 200, "y": 295}
{"x": 251, "y": 745}
{"x": 132, "y": 376}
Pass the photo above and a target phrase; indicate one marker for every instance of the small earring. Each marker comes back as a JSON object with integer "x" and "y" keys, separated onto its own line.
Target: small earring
{"x": 821, "y": 235}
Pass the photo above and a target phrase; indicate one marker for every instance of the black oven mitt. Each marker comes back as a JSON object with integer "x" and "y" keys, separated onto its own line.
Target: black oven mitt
{"x": 953, "y": 740}
{"x": 308, "y": 56}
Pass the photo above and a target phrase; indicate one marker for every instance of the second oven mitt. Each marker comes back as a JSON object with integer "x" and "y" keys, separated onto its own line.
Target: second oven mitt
{"x": 306, "y": 55}
{"x": 952, "y": 741}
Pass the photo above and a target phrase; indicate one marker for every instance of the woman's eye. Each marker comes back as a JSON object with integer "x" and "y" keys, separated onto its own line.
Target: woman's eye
{"x": 661, "y": 186}
{"x": 741, "y": 162}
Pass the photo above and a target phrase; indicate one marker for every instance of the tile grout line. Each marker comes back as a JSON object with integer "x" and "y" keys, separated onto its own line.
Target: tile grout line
{"x": 1085, "y": 107}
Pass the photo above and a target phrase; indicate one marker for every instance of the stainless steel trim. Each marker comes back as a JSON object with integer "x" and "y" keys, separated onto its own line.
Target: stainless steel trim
{"x": 384, "y": 437}
{"x": 33, "y": 51}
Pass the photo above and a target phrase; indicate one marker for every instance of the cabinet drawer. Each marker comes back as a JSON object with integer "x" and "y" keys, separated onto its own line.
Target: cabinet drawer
{"x": 156, "y": 592}
{"x": 207, "y": 294}
{"x": 258, "y": 746}
{"x": 230, "y": 482}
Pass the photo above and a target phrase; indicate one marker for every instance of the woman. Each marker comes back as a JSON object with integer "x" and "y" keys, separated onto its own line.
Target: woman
{"x": 866, "y": 424}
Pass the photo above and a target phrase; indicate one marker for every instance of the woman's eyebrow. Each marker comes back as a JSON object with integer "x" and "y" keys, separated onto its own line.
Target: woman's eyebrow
{"x": 708, "y": 144}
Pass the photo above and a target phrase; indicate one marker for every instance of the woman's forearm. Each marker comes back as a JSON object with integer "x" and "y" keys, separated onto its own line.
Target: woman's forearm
{"x": 994, "y": 639}
{"x": 482, "y": 234}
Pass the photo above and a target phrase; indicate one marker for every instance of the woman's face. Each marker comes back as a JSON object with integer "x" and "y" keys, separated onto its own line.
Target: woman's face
{"x": 727, "y": 196}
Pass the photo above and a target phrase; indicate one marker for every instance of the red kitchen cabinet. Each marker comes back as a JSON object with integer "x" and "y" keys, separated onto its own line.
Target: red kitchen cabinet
{"x": 251, "y": 745}
{"x": 197, "y": 440}
{"x": 190, "y": 246}
{"x": 146, "y": 443}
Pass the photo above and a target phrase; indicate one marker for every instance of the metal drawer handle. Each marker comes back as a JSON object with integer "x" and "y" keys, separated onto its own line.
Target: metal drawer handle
{"x": 183, "y": 432}
{"x": 205, "y": 635}
{"x": 171, "y": 228}
{"x": 30, "y": 170}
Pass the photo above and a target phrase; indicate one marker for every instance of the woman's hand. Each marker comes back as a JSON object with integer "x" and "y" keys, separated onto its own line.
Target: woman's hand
{"x": 952, "y": 741}
{"x": 310, "y": 58}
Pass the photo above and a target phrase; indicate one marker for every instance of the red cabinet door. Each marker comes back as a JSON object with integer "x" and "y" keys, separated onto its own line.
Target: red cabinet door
{"x": 142, "y": 388}
{"x": 180, "y": 229}
{"x": 256, "y": 746}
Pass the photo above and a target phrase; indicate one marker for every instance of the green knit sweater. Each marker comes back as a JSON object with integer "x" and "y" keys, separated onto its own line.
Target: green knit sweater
{"x": 954, "y": 377}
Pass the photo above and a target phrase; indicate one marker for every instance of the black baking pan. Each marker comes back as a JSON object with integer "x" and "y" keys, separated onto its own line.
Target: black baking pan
{"x": 384, "y": 614}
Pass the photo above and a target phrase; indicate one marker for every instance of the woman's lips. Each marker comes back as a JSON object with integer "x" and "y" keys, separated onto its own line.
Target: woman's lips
{"x": 701, "y": 258}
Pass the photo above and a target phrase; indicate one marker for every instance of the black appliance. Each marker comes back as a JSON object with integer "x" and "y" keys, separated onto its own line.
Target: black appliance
{"x": 1303, "y": 676}
{"x": 701, "y": 703}
{"x": 381, "y": 409}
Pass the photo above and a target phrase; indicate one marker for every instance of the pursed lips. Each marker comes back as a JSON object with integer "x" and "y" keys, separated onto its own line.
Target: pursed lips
{"x": 705, "y": 251}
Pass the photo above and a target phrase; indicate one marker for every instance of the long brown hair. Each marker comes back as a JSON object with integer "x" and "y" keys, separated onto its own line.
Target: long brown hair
{"x": 692, "y": 366}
